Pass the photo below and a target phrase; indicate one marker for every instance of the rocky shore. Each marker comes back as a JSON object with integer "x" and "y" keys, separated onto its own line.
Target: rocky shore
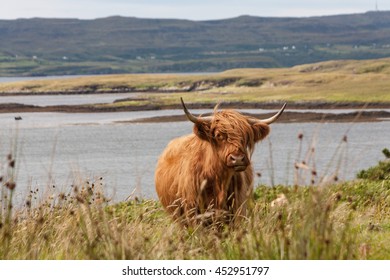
{"x": 291, "y": 117}
{"x": 360, "y": 113}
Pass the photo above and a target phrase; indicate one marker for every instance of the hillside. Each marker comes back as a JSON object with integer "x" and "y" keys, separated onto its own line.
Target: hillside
{"x": 126, "y": 45}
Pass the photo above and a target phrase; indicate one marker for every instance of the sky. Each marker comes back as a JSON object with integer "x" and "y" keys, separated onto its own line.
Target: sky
{"x": 184, "y": 9}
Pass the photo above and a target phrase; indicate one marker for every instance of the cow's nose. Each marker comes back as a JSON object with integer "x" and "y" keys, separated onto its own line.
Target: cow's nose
{"x": 237, "y": 159}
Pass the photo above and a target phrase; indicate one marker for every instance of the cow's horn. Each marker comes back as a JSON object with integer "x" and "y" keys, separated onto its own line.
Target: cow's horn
{"x": 271, "y": 119}
{"x": 191, "y": 117}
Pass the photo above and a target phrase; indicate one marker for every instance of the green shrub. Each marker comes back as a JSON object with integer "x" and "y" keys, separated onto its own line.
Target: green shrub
{"x": 379, "y": 172}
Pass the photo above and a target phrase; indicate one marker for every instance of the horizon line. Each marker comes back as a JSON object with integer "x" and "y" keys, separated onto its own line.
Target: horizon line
{"x": 196, "y": 20}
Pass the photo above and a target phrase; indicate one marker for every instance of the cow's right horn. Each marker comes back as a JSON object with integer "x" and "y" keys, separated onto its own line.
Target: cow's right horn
{"x": 271, "y": 119}
{"x": 191, "y": 117}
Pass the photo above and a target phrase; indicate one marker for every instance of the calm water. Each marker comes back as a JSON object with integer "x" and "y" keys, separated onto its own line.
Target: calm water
{"x": 62, "y": 149}
{"x": 59, "y": 149}
{"x": 52, "y": 100}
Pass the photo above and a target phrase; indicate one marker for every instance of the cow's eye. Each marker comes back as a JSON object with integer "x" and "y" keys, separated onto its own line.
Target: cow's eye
{"x": 220, "y": 136}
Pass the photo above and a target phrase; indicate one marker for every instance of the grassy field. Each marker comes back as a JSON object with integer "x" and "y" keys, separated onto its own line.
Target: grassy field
{"x": 347, "y": 220}
{"x": 333, "y": 81}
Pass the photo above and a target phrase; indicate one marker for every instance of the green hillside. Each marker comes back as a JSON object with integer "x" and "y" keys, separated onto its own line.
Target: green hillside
{"x": 126, "y": 45}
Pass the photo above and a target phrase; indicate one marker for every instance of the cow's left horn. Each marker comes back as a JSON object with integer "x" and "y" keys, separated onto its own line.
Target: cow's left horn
{"x": 271, "y": 119}
{"x": 191, "y": 117}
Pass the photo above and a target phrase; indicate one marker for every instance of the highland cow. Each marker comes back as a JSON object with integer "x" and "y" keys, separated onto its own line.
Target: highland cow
{"x": 208, "y": 174}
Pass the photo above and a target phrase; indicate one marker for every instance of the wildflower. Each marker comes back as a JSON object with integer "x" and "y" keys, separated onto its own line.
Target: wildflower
{"x": 10, "y": 185}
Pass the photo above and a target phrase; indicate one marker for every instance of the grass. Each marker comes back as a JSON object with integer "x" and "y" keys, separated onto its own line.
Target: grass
{"x": 379, "y": 172}
{"x": 340, "y": 221}
{"x": 332, "y": 81}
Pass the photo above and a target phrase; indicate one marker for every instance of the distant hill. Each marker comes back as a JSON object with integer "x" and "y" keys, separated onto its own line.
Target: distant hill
{"x": 40, "y": 46}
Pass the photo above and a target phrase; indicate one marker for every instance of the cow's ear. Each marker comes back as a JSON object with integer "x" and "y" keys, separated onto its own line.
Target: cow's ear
{"x": 202, "y": 130}
{"x": 261, "y": 130}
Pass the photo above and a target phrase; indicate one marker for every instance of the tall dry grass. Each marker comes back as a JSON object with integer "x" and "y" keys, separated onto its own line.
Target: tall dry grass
{"x": 310, "y": 220}
{"x": 340, "y": 221}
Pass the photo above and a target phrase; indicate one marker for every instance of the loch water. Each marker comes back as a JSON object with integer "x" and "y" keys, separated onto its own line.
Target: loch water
{"x": 58, "y": 150}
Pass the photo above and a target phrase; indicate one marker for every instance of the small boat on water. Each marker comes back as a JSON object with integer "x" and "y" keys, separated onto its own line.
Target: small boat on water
{"x": 18, "y": 118}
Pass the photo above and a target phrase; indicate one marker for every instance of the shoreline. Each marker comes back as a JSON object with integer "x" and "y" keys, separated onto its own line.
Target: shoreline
{"x": 291, "y": 117}
{"x": 288, "y": 116}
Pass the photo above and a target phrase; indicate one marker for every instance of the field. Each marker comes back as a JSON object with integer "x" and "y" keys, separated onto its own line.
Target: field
{"x": 348, "y": 220}
{"x": 334, "y": 81}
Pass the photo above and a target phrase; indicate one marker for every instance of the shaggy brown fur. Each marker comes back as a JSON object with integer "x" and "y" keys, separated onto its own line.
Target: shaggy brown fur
{"x": 197, "y": 175}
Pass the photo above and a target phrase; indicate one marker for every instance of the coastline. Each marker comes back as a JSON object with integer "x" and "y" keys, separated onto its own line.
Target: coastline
{"x": 360, "y": 115}
{"x": 293, "y": 117}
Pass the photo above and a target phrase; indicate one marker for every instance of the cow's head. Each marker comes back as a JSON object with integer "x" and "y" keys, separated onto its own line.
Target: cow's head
{"x": 232, "y": 135}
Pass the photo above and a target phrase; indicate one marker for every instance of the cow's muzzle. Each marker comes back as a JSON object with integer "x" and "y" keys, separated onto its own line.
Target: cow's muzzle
{"x": 238, "y": 162}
